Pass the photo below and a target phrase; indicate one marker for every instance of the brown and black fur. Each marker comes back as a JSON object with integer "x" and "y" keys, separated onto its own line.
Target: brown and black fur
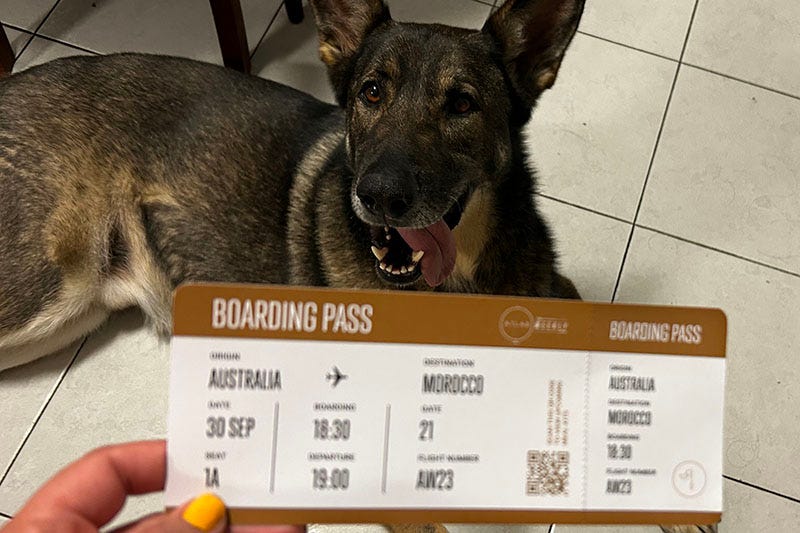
{"x": 126, "y": 175}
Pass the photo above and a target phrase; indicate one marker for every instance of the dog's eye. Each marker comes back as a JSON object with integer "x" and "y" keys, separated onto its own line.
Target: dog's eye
{"x": 461, "y": 104}
{"x": 371, "y": 93}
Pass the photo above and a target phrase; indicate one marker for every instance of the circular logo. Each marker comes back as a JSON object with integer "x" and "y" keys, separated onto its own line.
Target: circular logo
{"x": 516, "y": 324}
{"x": 689, "y": 478}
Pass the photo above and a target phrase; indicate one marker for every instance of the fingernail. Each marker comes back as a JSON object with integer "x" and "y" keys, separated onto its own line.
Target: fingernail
{"x": 205, "y": 512}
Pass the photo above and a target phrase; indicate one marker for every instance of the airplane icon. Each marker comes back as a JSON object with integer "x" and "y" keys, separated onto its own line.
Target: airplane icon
{"x": 335, "y": 376}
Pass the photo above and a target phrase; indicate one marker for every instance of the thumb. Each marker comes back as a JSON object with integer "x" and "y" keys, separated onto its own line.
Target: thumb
{"x": 206, "y": 513}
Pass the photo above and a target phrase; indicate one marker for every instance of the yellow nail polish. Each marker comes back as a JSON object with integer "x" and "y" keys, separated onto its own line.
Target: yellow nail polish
{"x": 205, "y": 512}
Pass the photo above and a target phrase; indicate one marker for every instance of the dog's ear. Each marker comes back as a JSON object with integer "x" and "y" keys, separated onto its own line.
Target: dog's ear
{"x": 533, "y": 35}
{"x": 342, "y": 26}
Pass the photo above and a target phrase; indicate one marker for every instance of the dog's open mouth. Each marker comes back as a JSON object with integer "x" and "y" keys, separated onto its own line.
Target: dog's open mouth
{"x": 402, "y": 255}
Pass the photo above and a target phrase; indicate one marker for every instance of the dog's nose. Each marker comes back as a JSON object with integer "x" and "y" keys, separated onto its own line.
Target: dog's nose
{"x": 385, "y": 195}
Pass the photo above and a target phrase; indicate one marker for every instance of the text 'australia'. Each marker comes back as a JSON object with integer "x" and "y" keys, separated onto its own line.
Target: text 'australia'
{"x": 244, "y": 379}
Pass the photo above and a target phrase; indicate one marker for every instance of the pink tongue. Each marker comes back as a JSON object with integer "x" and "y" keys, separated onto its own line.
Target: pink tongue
{"x": 440, "y": 250}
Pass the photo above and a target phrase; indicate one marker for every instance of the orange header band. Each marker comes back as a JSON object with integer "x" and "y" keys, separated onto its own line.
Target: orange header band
{"x": 261, "y": 311}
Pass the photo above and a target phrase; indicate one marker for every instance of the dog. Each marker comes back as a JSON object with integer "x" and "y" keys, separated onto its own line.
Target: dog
{"x": 123, "y": 176}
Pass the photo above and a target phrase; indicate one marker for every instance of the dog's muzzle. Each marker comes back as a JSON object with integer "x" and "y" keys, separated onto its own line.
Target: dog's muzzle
{"x": 402, "y": 255}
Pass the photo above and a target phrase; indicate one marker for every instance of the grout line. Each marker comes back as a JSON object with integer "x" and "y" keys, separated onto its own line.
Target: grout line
{"x": 551, "y": 529}
{"x": 653, "y": 154}
{"x": 734, "y": 78}
{"x": 698, "y": 67}
{"x": 4, "y": 515}
{"x": 42, "y": 410}
{"x": 584, "y": 208}
{"x": 35, "y": 31}
{"x": 673, "y": 236}
{"x": 69, "y": 45}
{"x": 721, "y": 251}
{"x": 642, "y": 50}
{"x": 21, "y": 30}
{"x": 762, "y": 489}
{"x": 306, "y": 9}
{"x": 47, "y": 16}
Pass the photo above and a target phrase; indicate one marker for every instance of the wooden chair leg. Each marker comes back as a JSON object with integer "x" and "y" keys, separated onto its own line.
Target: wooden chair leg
{"x": 231, "y": 34}
{"x": 6, "y": 54}
{"x": 294, "y": 10}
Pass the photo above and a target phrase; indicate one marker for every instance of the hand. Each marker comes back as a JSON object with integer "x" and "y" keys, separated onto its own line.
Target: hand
{"x": 88, "y": 493}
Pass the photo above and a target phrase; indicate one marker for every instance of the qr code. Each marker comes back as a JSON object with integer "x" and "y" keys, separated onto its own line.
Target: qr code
{"x": 548, "y": 473}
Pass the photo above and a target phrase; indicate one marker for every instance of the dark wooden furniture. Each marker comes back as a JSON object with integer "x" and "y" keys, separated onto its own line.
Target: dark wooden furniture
{"x": 6, "y": 54}
{"x": 232, "y": 37}
{"x": 228, "y": 20}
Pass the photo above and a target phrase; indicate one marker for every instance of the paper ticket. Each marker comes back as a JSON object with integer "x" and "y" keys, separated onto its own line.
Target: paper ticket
{"x": 301, "y": 405}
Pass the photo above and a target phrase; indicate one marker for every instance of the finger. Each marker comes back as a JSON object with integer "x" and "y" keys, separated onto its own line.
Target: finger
{"x": 206, "y": 513}
{"x": 93, "y": 489}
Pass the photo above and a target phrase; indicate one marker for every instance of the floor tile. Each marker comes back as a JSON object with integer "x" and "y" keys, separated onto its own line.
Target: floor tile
{"x": 755, "y": 41}
{"x": 749, "y": 510}
{"x": 652, "y": 25}
{"x": 23, "y": 392}
{"x": 592, "y": 134}
{"x": 289, "y": 53}
{"x": 115, "y": 391}
{"x": 726, "y": 170}
{"x": 3, "y": 520}
{"x": 590, "y": 247}
{"x": 183, "y": 28}
{"x": 763, "y": 370}
{"x": 41, "y": 51}
{"x": 462, "y": 13}
{"x": 26, "y": 14}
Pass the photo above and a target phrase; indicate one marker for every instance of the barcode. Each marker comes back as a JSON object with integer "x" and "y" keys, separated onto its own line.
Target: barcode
{"x": 548, "y": 473}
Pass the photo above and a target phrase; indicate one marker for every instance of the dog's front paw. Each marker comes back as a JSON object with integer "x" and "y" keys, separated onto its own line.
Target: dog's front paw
{"x": 690, "y": 529}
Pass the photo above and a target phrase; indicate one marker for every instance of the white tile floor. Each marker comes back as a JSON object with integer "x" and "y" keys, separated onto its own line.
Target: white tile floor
{"x": 669, "y": 154}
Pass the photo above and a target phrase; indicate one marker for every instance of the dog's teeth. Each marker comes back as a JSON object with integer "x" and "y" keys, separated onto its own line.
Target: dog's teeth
{"x": 383, "y": 266}
{"x": 380, "y": 253}
{"x": 404, "y": 270}
{"x": 416, "y": 256}
{"x": 395, "y": 271}
{"x": 388, "y": 237}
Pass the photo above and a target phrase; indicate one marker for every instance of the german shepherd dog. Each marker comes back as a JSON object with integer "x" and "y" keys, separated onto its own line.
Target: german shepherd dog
{"x": 123, "y": 176}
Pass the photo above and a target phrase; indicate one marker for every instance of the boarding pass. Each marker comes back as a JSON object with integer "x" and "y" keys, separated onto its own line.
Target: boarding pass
{"x": 300, "y": 405}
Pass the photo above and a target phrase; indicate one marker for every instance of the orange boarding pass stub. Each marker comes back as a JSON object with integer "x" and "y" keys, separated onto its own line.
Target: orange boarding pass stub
{"x": 301, "y": 405}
